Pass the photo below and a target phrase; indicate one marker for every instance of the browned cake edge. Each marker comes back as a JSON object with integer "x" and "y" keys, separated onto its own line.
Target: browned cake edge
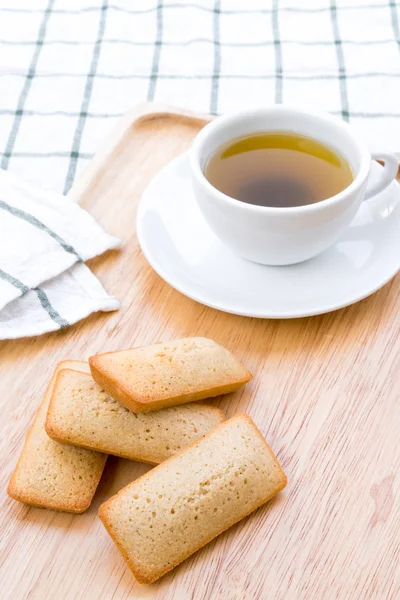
{"x": 103, "y": 509}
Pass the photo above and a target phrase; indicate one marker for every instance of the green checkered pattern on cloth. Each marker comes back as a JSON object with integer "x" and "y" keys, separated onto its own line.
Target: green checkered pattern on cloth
{"x": 69, "y": 69}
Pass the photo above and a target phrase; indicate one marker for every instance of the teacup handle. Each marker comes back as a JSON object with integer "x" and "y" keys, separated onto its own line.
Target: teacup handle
{"x": 388, "y": 173}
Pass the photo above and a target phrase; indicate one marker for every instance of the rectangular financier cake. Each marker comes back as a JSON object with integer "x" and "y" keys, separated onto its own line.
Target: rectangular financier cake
{"x": 166, "y": 374}
{"x": 81, "y": 413}
{"x": 176, "y": 508}
{"x": 54, "y": 475}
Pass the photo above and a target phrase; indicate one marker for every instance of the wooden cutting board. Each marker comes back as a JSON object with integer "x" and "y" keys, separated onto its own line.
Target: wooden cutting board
{"x": 326, "y": 395}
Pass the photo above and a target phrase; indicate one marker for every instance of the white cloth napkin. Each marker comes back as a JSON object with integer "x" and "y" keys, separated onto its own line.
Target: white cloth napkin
{"x": 44, "y": 240}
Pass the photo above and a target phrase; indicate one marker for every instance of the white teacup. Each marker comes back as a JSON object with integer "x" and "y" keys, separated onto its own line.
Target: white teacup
{"x": 287, "y": 235}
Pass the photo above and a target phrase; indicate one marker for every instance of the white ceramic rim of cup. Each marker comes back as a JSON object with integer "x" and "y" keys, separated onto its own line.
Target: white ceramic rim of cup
{"x": 201, "y": 139}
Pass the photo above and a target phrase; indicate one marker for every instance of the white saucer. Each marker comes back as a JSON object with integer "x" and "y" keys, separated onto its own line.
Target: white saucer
{"x": 182, "y": 249}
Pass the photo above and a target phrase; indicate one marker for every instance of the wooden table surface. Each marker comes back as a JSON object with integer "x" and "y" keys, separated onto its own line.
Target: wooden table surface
{"x": 326, "y": 395}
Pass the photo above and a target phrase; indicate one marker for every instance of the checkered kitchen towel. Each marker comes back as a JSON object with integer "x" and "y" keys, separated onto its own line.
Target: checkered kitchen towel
{"x": 44, "y": 239}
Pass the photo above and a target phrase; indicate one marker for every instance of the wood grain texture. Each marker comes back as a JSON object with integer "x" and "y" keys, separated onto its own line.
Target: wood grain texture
{"x": 326, "y": 395}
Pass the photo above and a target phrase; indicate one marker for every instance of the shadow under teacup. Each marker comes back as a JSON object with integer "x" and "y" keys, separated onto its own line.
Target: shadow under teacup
{"x": 276, "y": 235}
